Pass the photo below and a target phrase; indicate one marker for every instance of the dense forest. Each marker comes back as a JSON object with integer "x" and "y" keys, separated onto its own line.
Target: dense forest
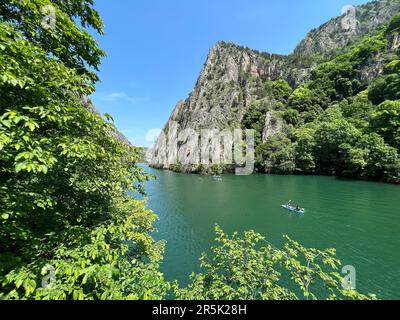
{"x": 69, "y": 230}
{"x": 339, "y": 122}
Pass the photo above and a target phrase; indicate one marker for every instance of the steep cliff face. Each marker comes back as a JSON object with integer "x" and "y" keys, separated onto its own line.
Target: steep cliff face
{"x": 342, "y": 31}
{"x": 225, "y": 89}
{"x": 227, "y": 85}
{"x": 233, "y": 76}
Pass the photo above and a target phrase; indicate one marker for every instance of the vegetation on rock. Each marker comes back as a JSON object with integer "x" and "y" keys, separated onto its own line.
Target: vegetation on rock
{"x": 340, "y": 122}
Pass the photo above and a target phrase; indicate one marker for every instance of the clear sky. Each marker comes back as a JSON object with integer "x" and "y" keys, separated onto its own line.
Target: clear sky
{"x": 156, "y": 48}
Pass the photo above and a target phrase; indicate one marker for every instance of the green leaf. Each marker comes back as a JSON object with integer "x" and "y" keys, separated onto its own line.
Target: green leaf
{"x": 19, "y": 167}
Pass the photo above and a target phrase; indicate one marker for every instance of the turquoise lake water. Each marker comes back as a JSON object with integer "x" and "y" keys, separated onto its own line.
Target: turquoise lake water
{"x": 360, "y": 219}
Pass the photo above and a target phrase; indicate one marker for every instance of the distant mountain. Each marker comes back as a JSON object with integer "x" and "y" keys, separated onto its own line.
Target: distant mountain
{"x": 88, "y": 104}
{"x": 330, "y": 36}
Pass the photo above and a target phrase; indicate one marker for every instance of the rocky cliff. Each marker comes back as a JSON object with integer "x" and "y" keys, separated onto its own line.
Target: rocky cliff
{"x": 341, "y": 31}
{"x": 233, "y": 77}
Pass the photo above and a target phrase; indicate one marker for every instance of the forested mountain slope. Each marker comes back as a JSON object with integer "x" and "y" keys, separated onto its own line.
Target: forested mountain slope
{"x": 329, "y": 108}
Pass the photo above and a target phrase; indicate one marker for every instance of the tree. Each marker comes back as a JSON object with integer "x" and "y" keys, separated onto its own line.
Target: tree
{"x": 304, "y": 150}
{"x": 386, "y": 122}
{"x": 65, "y": 215}
{"x": 358, "y": 110}
{"x": 276, "y": 155}
{"x": 331, "y": 132}
{"x": 335, "y": 78}
{"x": 385, "y": 88}
{"x": 292, "y": 117}
{"x": 307, "y": 102}
{"x": 249, "y": 268}
{"x": 383, "y": 162}
{"x": 62, "y": 38}
{"x": 281, "y": 90}
{"x": 255, "y": 119}
{"x": 355, "y": 160}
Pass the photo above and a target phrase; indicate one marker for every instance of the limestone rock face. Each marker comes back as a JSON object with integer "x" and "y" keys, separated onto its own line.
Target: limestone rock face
{"x": 223, "y": 94}
{"x": 232, "y": 75}
{"x": 272, "y": 126}
{"x": 341, "y": 31}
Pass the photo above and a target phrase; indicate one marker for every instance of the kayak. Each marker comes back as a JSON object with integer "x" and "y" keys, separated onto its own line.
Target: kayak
{"x": 293, "y": 209}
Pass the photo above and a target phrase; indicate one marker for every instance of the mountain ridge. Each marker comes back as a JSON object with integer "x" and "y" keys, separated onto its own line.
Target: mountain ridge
{"x": 233, "y": 79}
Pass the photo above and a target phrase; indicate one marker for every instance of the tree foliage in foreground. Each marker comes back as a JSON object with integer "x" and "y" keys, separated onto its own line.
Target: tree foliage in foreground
{"x": 60, "y": 28}
{"x": 63, "y": 177}
{"x": 249, "y": 268}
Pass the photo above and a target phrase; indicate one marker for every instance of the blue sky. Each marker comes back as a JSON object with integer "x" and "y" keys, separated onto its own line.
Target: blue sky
{"x": 156, "y": 48}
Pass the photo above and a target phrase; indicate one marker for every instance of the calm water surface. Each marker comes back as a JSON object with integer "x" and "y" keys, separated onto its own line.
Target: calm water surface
{"x": 360, "y": 219}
